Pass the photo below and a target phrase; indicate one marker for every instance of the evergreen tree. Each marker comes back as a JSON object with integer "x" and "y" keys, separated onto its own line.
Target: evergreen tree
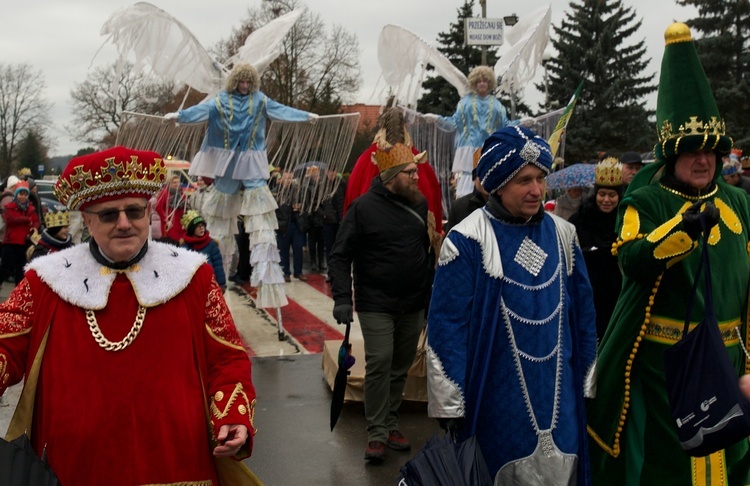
{"x": 440, "y": 96}
{"x": 724, "y": 51}
{"x": 592, "y": 45}
{"x": 31, "y": 152}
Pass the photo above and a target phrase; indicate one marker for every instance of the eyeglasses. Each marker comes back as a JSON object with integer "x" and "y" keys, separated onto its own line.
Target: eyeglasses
{"x": 133, "y": 213}
{"x": 410, "y": 173}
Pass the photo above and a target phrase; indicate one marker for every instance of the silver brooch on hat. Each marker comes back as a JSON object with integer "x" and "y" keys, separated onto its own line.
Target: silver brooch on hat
{"x": 530, "y": 152}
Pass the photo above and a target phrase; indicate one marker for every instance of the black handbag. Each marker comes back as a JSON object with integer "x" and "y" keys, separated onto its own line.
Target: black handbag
{"x": 708, "y": 408}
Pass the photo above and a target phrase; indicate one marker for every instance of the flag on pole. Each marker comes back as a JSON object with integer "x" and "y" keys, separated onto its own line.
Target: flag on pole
{"x": 554, "y": 139}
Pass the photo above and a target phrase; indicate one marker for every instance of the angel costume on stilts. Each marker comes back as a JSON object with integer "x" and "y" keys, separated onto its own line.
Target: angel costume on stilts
{"x": 234, "y": 154}
{"x": 478, "y": 114}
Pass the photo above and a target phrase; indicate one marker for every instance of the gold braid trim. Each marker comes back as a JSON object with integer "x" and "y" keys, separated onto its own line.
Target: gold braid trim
{"x": 709, "y": 470}
{"x": 4, "y": 376}
{"x": 207, "y": 482}
{"x": 614, "y": 451}
{"x": 242, "y": 408}
{"x": 669, "y": 331}
{"x": 257, "y": 121}
{"x": 690, "y": 198}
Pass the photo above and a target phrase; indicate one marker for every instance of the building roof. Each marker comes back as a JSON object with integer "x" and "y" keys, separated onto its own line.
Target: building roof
{"x": 368, "y": 115}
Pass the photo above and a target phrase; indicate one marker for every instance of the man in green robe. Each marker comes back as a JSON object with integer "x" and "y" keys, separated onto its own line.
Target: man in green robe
{"x": 634, "y": 439}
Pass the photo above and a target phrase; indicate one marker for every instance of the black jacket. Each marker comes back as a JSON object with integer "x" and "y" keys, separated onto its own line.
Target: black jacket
{"x": 462, "y": 207}
{"x": 388, "y": 246}
{"x": 333, "y": 205}
{"x": 596, "y": 234}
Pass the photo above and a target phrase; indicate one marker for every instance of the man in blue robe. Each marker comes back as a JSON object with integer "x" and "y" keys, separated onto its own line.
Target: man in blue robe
{"x": 512, "y": 324}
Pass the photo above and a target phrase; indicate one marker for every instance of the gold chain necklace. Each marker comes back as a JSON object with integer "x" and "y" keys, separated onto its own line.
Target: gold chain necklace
{"x": 126, "y": 341}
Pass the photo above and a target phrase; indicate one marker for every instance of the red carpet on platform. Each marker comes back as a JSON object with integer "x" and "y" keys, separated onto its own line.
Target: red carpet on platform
{"x": 308, "y": 330}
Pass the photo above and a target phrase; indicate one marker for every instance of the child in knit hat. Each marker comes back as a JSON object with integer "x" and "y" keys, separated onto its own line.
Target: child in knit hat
{"x": 198, "y": 239}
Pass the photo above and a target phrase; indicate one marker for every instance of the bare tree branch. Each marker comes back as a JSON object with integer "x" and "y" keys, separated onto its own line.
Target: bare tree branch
{"x": 23, "y": 108}
{"x": 98, "y": 102}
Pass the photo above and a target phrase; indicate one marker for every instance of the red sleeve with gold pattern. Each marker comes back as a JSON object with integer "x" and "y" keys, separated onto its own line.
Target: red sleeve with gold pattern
{"x": 232, "y": 395}
{"x": 16, "y": 316}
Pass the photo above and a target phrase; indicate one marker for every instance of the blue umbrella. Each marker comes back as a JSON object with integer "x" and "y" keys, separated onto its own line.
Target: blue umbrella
{"x": 577, "y": 175}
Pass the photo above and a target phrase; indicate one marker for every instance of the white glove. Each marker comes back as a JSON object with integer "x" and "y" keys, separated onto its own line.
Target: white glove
{"x": 431, "y": 117}
{"x": 171, "y": 116}
{"x": 312, "y": 117}
{"x": 527, "y": 122}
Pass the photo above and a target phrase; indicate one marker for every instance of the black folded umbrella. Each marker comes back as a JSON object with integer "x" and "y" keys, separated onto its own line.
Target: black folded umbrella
{"x": 20, "y": 466}
{"x": 346, "y": 361}
{"x": 443, "y": 462}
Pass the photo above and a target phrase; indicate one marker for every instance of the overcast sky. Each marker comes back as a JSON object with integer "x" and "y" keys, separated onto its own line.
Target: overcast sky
{"x": 61, "y": 38}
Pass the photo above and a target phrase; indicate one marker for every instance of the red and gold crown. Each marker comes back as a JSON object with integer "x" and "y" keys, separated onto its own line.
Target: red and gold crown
{"x": 111, "y": 174}
{"x": 608, "y": 173}
{"x": 57, "y": 219}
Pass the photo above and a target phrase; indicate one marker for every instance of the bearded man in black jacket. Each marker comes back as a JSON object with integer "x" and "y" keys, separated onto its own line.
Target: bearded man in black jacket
{"x": 384, "y": 236}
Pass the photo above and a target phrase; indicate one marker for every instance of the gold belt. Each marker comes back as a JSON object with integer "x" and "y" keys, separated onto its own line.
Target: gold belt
{"x": 669, "y": 331}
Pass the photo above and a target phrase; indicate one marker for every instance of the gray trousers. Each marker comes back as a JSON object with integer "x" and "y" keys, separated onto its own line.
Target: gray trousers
{"x": 390, "y": 346}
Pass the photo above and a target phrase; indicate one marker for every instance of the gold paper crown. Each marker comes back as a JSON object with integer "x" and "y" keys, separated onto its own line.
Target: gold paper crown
{"x": 398, "y": 154}
{"x": 608, "y": 173}
{"x": 111, "y": 174}
{"x": 189, "y": 217}
{"x": 57, "y": 219}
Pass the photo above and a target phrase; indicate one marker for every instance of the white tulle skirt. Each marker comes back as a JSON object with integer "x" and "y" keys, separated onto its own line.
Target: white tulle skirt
{"x": 257, "y": 208}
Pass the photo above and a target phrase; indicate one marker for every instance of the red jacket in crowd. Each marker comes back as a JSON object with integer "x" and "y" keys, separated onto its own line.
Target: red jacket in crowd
{"x": 18, "y": 224}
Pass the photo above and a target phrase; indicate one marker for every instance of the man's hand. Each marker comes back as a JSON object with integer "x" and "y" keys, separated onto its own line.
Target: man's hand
{"x": 312, "y": 118}
{"x": 692, "y": 217}
{"x": 745, "y": 385}
{"x": 431, "y": 118}
{"x": 527, "y": 122}
{"x": 343, "y": 313}
{"x": 231, "y": 438}
{"x": 171, "y": 116}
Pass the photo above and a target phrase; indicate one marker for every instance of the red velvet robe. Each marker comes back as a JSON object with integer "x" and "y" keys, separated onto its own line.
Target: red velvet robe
{"x": 428, "y": 184}
{"x": 137, "y": 415}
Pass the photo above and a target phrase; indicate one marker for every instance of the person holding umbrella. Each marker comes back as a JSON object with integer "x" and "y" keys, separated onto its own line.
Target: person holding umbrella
{"x": 383, "y": 241}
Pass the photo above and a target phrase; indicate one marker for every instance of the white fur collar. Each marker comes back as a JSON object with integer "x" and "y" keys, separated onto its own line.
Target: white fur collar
{"x": 74, "y": 275}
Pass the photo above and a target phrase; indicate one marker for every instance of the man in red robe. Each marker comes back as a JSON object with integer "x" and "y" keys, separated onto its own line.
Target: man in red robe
{"x": 134, "y": 370}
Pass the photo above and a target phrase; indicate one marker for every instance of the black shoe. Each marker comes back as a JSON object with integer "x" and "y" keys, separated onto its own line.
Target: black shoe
{"x": 314, "y": 269}
{"x": 287, "y": 278}
{"x": 302, "y": 278}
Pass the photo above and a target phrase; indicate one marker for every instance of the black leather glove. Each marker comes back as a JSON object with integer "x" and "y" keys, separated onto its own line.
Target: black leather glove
{"x": 693, "y": 216}
{"x": 343, "y": 313}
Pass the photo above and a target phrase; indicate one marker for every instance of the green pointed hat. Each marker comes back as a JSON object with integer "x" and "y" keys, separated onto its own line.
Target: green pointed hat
{"x": 687, "y": 118}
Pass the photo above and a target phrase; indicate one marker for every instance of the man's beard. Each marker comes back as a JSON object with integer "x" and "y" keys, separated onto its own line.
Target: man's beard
{"x": 409, "y": 192}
